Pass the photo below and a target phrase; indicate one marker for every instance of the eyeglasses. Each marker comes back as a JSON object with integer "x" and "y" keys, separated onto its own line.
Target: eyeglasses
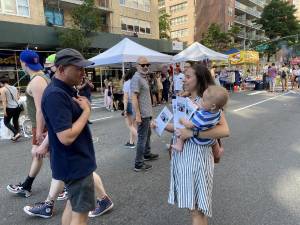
{"x": 143, "y": 65}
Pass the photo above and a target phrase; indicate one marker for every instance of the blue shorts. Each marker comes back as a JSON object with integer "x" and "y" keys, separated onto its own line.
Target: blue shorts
{"x": 129, "y": 109}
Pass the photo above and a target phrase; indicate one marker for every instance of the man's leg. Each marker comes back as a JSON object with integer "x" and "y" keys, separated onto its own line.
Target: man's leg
{"x": 147, "y": 150}
{"x": 45, "y": 209}
{"x": 67, "y": 215}
{"x": 141, "y": 143}
{"x": 79, "y": 218}
{"x": 104, "y": 203}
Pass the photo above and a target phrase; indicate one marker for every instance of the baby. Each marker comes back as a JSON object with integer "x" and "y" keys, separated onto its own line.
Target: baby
{"x": 206, "y": 117}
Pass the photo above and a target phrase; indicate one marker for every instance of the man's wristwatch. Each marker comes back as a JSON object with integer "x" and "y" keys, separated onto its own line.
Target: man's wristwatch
{"x": 195, "y": 133}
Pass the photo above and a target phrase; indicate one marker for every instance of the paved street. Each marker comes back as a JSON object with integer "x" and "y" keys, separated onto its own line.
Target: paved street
{"x": 257, "y": 182}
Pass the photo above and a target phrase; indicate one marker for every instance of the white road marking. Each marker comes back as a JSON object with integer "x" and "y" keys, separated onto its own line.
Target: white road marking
{"x": 257, "y": 92}
{"x": 103, "y": 118}
{"x": 257, "y": 103}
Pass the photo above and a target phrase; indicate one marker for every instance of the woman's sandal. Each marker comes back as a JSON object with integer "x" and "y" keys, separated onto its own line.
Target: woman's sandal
{"x": 16, "y": 137}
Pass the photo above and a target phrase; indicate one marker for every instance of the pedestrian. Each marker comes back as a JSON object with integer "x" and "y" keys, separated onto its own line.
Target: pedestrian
{"x": 178, "y": 81}
{"x": 85, "y": 88}
{"x": 38, "y": 82}
{"x": 166, "y": 87}
{"x": 11, "y": 107}
{"x": 49, "y": 67}
{"x": 191, "y": 178}
{"x": 293, "y": 76}
{"x": 106, "y": 93}
{"x": 44, "y": 209}
{"x": 153, "y": 89}
{"x": 159, "y": 87}
{"x": 70, "y": 131}
{"x": 128, "y": 109}
{"x": 110, "y": 96}
{"x": 118, "y": 93}
{"x": 284, "y": 74}
{"x": 272, "y": 73}
{"x": 142, "y": 106}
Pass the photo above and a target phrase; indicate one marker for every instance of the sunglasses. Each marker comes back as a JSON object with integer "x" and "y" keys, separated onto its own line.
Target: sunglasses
{"x": 144, "y": 65}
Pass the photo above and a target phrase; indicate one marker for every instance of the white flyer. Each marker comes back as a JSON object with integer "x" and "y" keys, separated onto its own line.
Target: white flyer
{"x": 190, "y": 108}
{"x": 180, "y": 111}
{"x": 162, "y": 120}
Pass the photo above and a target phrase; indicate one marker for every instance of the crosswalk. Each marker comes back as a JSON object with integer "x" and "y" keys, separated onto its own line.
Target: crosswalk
{"x": 97, "y": 103}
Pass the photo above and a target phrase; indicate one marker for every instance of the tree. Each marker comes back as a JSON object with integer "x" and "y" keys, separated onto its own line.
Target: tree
{"x": 164, "y": 26}
{"x": 218, "y": 40}
{"x": 86, "y": 17}
{"x": 278, "y": 20}
{"x": 73, "y": 38}
{"x": 86, "y": 20}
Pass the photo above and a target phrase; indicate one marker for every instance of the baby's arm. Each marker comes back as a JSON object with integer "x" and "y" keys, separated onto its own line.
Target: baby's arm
{"x": 188, "y": 124}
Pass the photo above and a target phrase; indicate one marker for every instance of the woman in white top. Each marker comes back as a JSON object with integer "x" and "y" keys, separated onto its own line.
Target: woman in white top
{"x": 9, "y": 97}
{"x": 128, "y": 109}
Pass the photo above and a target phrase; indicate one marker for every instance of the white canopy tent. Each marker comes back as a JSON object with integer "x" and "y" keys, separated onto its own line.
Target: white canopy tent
{"x": 128, "y": 51}
{"x": 197, "y": 52}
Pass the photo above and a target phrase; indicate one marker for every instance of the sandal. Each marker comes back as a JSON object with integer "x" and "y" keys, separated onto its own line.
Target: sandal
{"x": 16, "y": 137}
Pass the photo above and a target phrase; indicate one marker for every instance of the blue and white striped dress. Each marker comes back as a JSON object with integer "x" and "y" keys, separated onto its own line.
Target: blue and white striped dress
{"x": 191, "y": 180}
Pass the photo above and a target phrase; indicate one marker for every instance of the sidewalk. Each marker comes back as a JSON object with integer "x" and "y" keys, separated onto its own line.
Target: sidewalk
{"x": 97, "y": 102}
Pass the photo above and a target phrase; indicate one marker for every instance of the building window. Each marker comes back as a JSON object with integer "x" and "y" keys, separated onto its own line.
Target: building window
{"x": 179, "y": 20}
{"x": 135, "y": 25}
{"x": 15, "y": 7}
{"x": 178, "y": 7}
{"x": 143, "y": 5}
{"x": 54, "y": 17}
{"x": 179, "y": 33}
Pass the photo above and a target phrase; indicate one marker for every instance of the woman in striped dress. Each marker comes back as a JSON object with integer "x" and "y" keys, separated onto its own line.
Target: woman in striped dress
{"x": 192, "y": 169}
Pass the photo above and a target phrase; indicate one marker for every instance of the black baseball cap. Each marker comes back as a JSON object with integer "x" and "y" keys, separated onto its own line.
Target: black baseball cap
{"x": 69, "y": 56}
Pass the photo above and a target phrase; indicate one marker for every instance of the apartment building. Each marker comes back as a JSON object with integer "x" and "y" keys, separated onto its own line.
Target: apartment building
{"x": 191, "y": 18}
{"x": 129, "y": 17}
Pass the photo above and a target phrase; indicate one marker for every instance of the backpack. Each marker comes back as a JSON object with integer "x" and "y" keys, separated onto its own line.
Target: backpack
{"x": 283, "y": 74}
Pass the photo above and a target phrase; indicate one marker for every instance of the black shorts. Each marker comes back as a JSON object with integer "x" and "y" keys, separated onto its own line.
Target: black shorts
{"x": 81, "y": 194}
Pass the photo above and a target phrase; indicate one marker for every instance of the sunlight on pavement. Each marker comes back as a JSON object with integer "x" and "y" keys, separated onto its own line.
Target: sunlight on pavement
{"x": 287, "y": 190}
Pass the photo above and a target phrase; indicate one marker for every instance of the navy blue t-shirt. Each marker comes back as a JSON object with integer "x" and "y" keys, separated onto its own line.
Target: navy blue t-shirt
{"x": 61, "y": 111}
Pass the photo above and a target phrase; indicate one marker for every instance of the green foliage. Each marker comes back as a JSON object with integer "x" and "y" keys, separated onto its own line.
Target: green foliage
{"x": 164, "y": 26}
{"x": 72, "y": 38}
{"x": 278, "y": 19}
{"x": 86, "y": 19}
{"x": 218, "y": 40}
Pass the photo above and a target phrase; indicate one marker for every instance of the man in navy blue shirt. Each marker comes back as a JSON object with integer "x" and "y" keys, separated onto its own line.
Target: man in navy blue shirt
{"x": 72, "y": 151}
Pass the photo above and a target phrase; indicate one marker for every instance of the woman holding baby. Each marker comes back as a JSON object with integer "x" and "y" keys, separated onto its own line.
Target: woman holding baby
{"x": 192, "y": 167}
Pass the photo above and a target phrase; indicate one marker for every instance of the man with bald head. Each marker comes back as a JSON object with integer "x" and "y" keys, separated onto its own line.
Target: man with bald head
{"x": 142, "y": 106}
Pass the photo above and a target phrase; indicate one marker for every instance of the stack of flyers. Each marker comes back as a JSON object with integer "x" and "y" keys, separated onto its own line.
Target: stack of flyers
{"x": 182, "y": 108}
{"x": 179, "y": 111}
{"x": 162, "y": 120}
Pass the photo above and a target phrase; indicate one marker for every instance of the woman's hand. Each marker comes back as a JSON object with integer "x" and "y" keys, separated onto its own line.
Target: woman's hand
{"x": 185, "y": 133}
{"x": 153, "y": 124}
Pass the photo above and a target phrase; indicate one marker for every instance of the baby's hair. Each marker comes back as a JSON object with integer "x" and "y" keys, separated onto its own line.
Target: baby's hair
{"x": 217, "y": 95}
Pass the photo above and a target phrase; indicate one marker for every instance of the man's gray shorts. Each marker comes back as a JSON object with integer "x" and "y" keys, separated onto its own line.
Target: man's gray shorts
{"x": 81, "y": 194}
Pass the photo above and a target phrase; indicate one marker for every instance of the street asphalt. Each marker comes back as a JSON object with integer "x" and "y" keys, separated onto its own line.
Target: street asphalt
{"x": 256, "y": 183}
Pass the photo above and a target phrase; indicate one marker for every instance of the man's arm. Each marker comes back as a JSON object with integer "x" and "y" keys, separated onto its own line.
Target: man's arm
{"x": 136, "y": 107}
{"x": 68, "y": 136}
{"x": 37, "y": 89}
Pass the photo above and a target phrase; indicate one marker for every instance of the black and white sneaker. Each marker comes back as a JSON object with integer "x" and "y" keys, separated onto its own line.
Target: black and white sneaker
{"x": 151, "y": 157}
{"x": 144, "y": 167}
{"x": 19, "y": 190}
{"x": 128, "y": 145}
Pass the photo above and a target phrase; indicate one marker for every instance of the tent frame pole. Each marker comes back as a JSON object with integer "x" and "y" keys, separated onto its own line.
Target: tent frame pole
{"x": 123, "y": 70}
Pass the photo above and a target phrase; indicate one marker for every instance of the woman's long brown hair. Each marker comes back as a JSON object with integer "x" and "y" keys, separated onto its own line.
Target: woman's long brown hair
{"x": 204, "y": 78}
